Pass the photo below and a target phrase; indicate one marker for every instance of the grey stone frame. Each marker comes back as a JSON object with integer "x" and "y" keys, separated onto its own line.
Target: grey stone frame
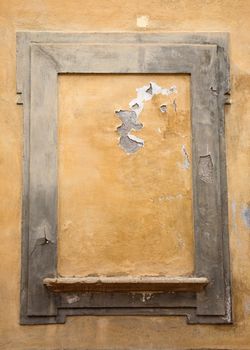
{"x": 41, "y": 56}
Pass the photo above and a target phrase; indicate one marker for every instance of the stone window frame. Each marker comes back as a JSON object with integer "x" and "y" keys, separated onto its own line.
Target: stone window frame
{"x": 41, "y": 56}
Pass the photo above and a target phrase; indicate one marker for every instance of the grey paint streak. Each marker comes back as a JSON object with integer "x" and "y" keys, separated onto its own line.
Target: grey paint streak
{"x": 246, "y": 215}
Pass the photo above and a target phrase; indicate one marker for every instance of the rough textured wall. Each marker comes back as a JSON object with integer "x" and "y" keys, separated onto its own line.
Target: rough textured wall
{"x": 155, "y": 15}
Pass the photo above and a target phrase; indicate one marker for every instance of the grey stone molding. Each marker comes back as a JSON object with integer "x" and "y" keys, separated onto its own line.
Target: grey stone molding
{"x": 41, "y": 56}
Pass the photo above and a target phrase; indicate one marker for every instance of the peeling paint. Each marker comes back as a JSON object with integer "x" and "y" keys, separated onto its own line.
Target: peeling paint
{"x": 246, "y": 215}
{"x": 146, "y": 93}
{"x": 128, "y": 142}
{"x": 129, "y": 118}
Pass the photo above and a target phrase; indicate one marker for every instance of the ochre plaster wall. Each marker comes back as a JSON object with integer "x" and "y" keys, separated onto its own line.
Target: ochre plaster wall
{"x": 119, "y": 213}
{"x": 127, "y": 15}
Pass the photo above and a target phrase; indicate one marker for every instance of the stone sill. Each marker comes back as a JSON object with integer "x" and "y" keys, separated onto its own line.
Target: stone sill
{"x": 124, "y": 284}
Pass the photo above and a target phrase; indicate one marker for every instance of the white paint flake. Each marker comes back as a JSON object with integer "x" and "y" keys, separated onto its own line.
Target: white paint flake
{"x": 71, "y": 299}
{"x": 146, "y": 93}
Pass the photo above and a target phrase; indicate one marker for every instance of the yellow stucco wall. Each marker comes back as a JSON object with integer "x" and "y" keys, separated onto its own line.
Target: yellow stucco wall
{"x": 127, "y": 15}
{"x": 119, "y": 213}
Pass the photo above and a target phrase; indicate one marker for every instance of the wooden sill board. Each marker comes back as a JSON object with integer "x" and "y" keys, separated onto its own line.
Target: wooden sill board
{"x": 125, "y": 284}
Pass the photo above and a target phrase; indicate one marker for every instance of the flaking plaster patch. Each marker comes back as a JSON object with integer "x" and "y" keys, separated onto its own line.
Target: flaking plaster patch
{"x": 71, "y": 299}
{"x": 128, "y": 142}
{"x": 130, "y": 118}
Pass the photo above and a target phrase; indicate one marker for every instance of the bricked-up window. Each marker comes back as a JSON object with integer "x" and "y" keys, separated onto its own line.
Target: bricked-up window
{"x": 46, "y": 296}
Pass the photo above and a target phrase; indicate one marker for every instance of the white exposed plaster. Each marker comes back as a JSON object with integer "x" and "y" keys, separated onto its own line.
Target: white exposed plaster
{"x": 71, "y": 299}
{"x": 146, "y": 93}
{"x": 142, "y": 21}
{"x": 136, "y": 139}
{"x": 146, "y": 297}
